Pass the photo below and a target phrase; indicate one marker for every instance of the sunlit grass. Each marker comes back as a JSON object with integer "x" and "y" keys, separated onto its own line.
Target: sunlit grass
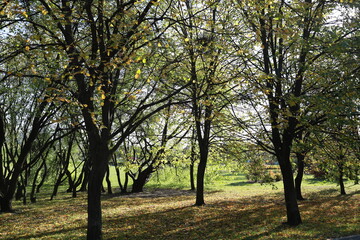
{"x": 234, "y": 209}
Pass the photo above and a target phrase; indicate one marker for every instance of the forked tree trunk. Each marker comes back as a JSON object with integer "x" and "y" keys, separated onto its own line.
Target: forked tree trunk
{"x": 57, "y": 185}
{"x": 140, "y": 181}
{"x": 72, "y": 186}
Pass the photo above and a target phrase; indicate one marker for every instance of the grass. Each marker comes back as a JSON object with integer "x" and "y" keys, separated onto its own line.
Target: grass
{"x": 234, "y": 209}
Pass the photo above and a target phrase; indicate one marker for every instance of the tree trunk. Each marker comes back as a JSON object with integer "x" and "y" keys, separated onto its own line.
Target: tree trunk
{"x": 94, "y": 231}
{"x": 42, "y": 179}
{"x": 6, "y": 204}
{"x": 33, "y": 187}
{"x": 292, "y": 209}
{"x": 86, "y": 173}
{"x": 201, "y": 174}
{"x": 56, "y": 186}
{"x": 300, "y": 173}
{"x": 124, "y": 190}
{"x": 72, "y": 186}
{"x": 8, "y": 194}
{"x": 192, "y": 160}
{"x": 341, "y": 180}
{"x": 99, "y": 155}
{"x": 108, "y": 182}
{"x": 19, "y": 191}
{"x": 117, "y": 170}
{"x": 192, "y": 179}
{"x": 141, "y": 179}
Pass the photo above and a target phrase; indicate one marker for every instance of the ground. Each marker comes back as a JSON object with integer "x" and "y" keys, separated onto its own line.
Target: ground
{"x": 233, "y": 210}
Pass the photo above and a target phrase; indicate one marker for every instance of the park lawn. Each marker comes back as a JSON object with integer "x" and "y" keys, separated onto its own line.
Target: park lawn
{"x": 234, "y": 209}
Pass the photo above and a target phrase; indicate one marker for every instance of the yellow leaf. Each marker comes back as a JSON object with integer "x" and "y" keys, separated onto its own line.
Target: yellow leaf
{"x": 137, "y": 75}
{"x": 132, "y": 97}
{"x": 102, "y": 96}
{"x": 27, "y": 48}
{"x": 144, "y": 60}
{"x": 187, "y": 39}
{"x": 24, "y": 14}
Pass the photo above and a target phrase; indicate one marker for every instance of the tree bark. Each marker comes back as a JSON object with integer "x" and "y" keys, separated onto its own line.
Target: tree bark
{"x": 140, "y": 181}
{"x": 42, "y": 179}
{"x": 124, "y": 190}
{"x": 56, "y": 185}
{"x": 85, "y": 180}
{"x": 117, "y": 170}
{"x": 99, "y": 155}
{"x": 292, "y": 209}
{"x": 94, "y": 229}
{"x": 204, "y": 151}
{"x": 72, "y": 186}
{"x": 6, "y": 204}
{"x": 2, "y": 140}
{"x": 341, "y": 180}
{"x": 108, "y": 182}
{"x": 192, "y": 160}
{"x": 300, "y": 173}
{"x": 192, "y": 179}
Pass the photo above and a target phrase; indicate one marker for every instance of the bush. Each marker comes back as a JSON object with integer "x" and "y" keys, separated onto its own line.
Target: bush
{"x": 275, "y": 176}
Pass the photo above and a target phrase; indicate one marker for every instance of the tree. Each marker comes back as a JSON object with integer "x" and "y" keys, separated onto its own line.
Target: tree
{"x": 100, "y": 47}
{"x": 206, "y": 62}
{"x": 281, "y": 69}
{"x": 151, "y": 146}
{"x": 16, "y": 150}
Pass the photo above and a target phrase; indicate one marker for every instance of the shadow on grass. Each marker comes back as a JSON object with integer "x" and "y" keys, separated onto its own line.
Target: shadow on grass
{"x": 331, "y": 192}
{"x": 240, "y": 184}
{"x": 248, "y": 218}
{"x": 274, "y": 230}
{"x": 157, "y": 193}
{"x": 257, "y": 217}
{"x": 317, "y": 181}
{"x": 320, "y": 181}
{"x": 221, "y": 220}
